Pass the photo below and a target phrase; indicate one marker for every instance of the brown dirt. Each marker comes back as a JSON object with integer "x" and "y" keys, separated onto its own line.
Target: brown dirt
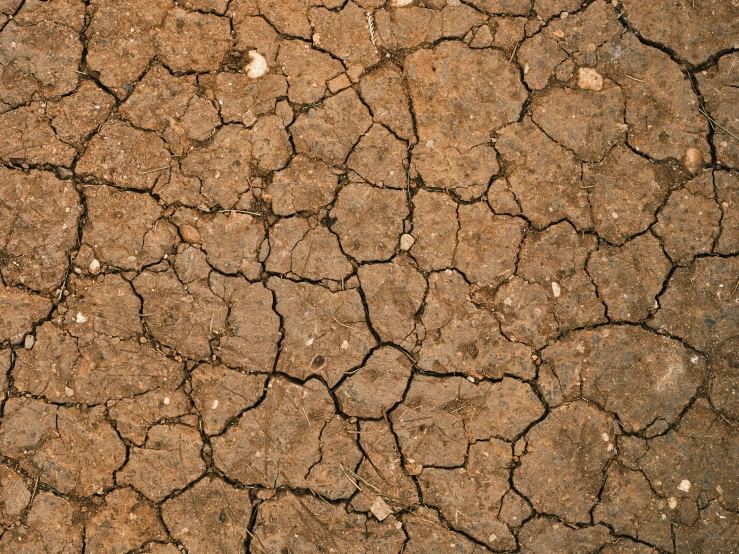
{"x": 369, "y": 276}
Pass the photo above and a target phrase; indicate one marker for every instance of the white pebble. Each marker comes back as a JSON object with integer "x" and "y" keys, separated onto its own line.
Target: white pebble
{"x": 406, "y": 241}
{"x": 214, "y": 406}
{"x": 29, "y": 341}
{"x": 556, "y": 289}
{"x": 166, "y": 400}
{"x": 80, "y": 318}
{"x": 257, "y": 66}
{"x": 672, "y": 503}
{"x": 68, "y": 391}
{"x": 684, "y": 485}
{"x": 94, "y": 266}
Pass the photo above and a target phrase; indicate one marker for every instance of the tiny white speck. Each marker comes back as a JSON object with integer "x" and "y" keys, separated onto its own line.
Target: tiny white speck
{"x": 684, "y": 485}
{"x": 166, "y": 400}
{"x": 214, "y": 405}
{"x": 80, "y": 318}
{"x": 556, "y": 289}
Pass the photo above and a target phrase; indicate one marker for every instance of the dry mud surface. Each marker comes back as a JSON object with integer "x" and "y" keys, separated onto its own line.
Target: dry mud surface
{"x": 368, "y": 277}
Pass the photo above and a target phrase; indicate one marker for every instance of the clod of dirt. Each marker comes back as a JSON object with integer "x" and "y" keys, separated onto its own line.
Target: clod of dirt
{"x": 30, "y": 139}
{"x": 628, "y": 492}
{"x": 381, "y": 470}
{"x": 555, "y": 258}
{"x": 383, "y": 91}
{"x": 307, "y": 71}
{"x": 653, "y": 380}
{"x": 325, "y": 333}
{"x": 543, "y": 534}
{"x": 476, "y": 490}
{"x": 679, "y": 464}
{"x": 726, "y": 378}
{"x": 562, "y": 469}
{"x": 19, "y": 310}
{"x": 299, "y": 523}
{"x": 625, "y": 191}
{"x": 240, "y": 98}
{"x": 171, "y": 106}
{"x": 312, "y": 253}
{"x": 394, "y": 292}
{"x": 654, "y": 80}
{"x": 427, "y": 534}
{"x": 193, "y": 41}
{"x": 74, "y": 450}
{"x": 183, "y": 318}
{"x": 460, "y": 337}
{"x": 291, "y": 438}
{"x": 14, "y": 496}
{"x": 435, "y": 227}
{"x": 211, "y": 515}
{"x": 695, "y": 32}
{"x": 451, "y": 153}
{"x": 380, "y": 158}
{"x": 222, "y": 167}
{"x": 251, "y": 321}
{"x": 170, "y": 460}
{"x": 125, "y": 229}
{"x": 220, "y": 394}
{"x": 487, "y": 244}
{"x": 688, "y": 224}
{"x": 639, "y": 267}
{"x": 727, "y": 192}
{"x": 369, "y": 221}
{"x": 699, "y": 304}
{"x": 116, "y": 53}
{"x": 377, "y": 386}
{"x": 588, "y": 123}
{"x": 718, "y": 87}
{"x": 126, "y": 522}
{"x": 330, "y": 131}
{"x": 126, "y": 157}
{"x": 134, "y": 415}
{"x": 45, "y": 57}
{"x": 408, "y": 28}
{"x": 305, "y": 185}
{"x": 543, "y": 176}
{"x": 52, "y": 525}
{"x": 38, "y": 228}
{"x": 526, "y": 312}
{"x": 440, "y": 416}
{"x": 345, "y": 34}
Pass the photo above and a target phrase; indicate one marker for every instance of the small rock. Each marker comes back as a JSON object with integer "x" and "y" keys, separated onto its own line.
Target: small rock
{"x": 380, "y": 509}
{"x": 29, "y": 342}
{"x": 589, "y": 79}
{"x": 556, "y": 289}
{"x": 257, "y": 66}
{"x": 406, "y": 241}
{"x": 64, "y": 173}
{"x": 413, "y": 469}
{"x": 94, "y": 267}
{"x": 693, "y": 161}
{"x": 189, "y": 234}
{"x": 68, "y": 391}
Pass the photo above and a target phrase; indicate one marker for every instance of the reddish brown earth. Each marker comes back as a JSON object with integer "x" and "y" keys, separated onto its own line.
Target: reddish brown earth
{"x": 369, "y": 277}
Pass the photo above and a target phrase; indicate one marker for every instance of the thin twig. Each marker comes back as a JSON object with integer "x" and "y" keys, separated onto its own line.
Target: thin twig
{"x": 633, "y": 78}
{"x": 155, "y": 170}
{"x": 515, "y": 49}
{"x": 717, "y": 124}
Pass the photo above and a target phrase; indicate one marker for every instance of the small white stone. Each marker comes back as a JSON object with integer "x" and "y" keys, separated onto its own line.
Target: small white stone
{"x": 589, "y": 79}
{"x": 684, "y": 485}
{"x": 68, "y": 391}
{"x": 29, "y": 341}
{"x": 166, "y": 400}
{"x": 471, "y": 379}
{"x": 380, "y": 509}
{"x": 556, "y": 289}
{"x": 80, "y": 318}
{"x": 94, "y": 267}
{"x": 214, "y": 406}
{"x": 406, "y": 241}
{"x": 672, "y": 503}
{"x": 257, "y": 66}
{"x": 605, "y": 437}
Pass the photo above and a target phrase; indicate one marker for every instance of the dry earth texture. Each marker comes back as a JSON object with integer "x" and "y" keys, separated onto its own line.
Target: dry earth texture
{"x": 368, "y": 277}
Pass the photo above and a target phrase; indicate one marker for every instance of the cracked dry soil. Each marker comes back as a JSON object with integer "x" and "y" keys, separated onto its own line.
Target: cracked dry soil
{"x": 368, "y": 277}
